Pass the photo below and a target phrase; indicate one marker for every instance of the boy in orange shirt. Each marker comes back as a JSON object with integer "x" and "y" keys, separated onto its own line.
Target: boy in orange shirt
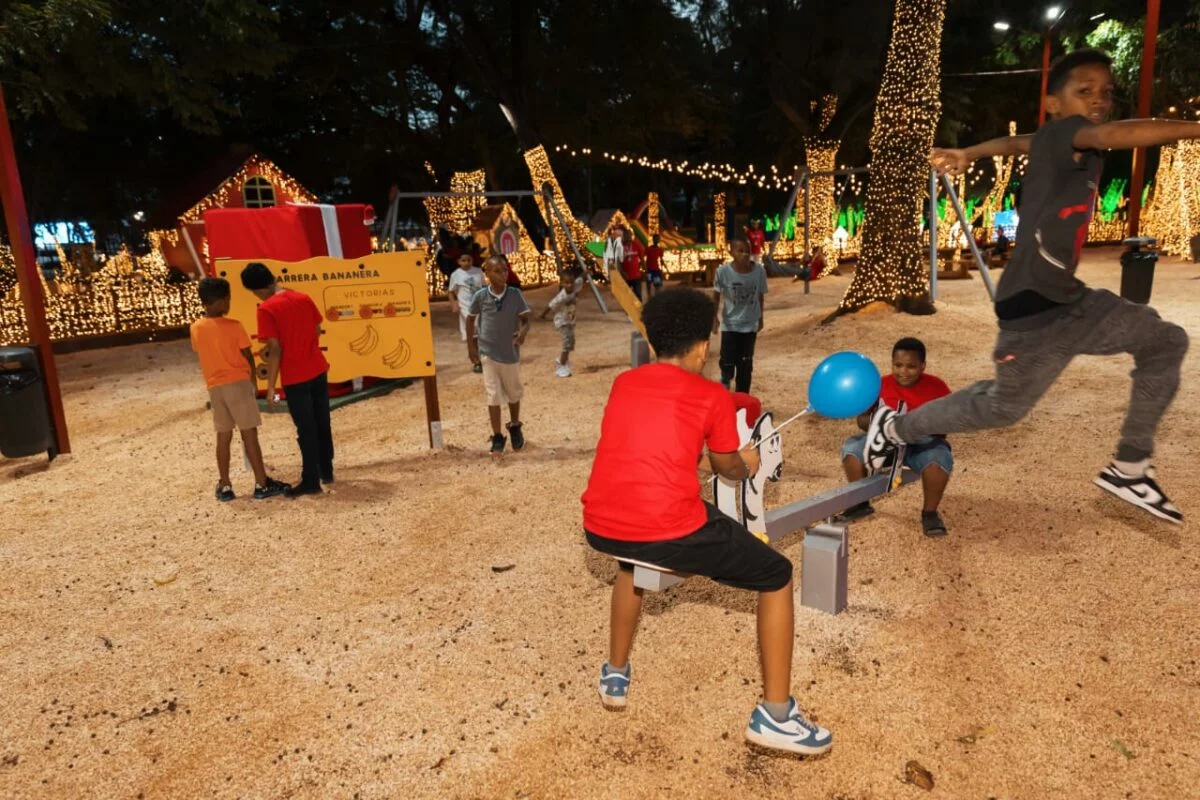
{"x": 228, "y": 367}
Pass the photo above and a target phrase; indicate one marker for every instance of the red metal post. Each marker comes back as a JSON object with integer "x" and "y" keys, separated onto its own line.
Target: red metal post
{"x": 1045, "y": 77}
{"x": 20, "y": 238}
{"x": 1145, "y": 92}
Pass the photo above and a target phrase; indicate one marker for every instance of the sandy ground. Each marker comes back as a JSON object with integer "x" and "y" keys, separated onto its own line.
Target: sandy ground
{"x": 155, "y": 643}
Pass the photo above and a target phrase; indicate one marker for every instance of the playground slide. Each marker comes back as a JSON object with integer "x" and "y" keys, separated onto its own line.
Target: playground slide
{"x": 670, "y": 240}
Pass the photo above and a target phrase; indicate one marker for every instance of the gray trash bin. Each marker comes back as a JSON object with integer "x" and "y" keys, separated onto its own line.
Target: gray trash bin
{"x": 1137, "y": 269}
{"x": 24, "y": 416}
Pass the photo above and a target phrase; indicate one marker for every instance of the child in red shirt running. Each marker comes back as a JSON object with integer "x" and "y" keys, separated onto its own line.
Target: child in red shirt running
{"x": 631, "y": 264}
{"x": 930, "y": 457}
{"x": 654, "y": 276}
{"x": 643, "y": 504}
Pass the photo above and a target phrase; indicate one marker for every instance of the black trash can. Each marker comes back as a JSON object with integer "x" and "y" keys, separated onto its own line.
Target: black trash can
{"x": 1137, "y": 269}
{"x": 24, "y": 417}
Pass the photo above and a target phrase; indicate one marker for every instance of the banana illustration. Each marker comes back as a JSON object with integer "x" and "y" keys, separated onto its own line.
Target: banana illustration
{"x": 398, "y": 357}
{"x": 366, "y": 344}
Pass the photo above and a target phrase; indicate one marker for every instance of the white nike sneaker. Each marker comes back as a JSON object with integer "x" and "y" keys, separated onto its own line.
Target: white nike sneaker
{"x": 1139, "y": 490}
{"x": 881, "y": 443}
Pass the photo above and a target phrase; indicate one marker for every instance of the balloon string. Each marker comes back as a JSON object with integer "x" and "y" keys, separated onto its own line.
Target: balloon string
{"x": 785, "y": 423}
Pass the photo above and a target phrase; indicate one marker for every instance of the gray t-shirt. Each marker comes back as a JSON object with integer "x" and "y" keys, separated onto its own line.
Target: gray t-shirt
{"x": 496, "y": 322}
{"x": 741, "y": 310}
{"x": 1057, "y": 201}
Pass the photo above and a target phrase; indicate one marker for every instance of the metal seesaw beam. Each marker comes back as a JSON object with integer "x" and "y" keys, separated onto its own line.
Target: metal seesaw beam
{"x": 802, "y": 514}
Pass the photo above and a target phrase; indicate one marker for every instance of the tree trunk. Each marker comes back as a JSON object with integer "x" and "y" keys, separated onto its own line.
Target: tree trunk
{"x": 891, "y": 267}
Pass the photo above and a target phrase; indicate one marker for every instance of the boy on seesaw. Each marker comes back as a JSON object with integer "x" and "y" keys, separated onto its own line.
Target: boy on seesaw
{"x": 1047, "y": 315}
{"x": 642, "y": 503}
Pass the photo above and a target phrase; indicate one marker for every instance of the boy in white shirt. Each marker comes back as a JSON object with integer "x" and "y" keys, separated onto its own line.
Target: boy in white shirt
{"x": 464, "y": 283}
{"x": 563, "y": 306}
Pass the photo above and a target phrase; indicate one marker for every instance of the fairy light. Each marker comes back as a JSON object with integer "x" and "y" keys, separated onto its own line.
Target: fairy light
{"x": 652, "y": 214}
{"x": 821, "y": 155}
{"x": 906, "y": 113}
{"x": 541, "y": 173}
{"x": 719, "y": 225}
{"x": 1173, "y": 214}
{"x": 229, "y": 193}
{"x": 773, "y": 178}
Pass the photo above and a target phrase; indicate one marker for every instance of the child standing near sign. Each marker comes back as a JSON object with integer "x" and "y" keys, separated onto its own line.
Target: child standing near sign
{"x": 464, "y": 283}
{"x": 290, "y": 324}
{"x": 228, "y": 366}
{"x": 497, "y": 324}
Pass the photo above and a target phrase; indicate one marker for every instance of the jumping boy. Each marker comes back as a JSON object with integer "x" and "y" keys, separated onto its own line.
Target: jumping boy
{"x": 1047, "y": 315}
{"x": 497, "y": 325}
{"x": 290, "y": 324}
{"x": 643, "y": 503}
{"x": 563, "y": 305}
{"x": 931, "y": 457}
{"x": 228, "y": 367}
{"x": 464, "y": 283}
{"x": 741, "y": 287}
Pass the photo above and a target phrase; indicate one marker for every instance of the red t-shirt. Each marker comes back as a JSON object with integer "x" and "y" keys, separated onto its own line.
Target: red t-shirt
{"x": 643, "y": 486}
{"x": 756, "y": 237}
{"x": 928, "y": 387}
{"x": 631, "y": 267}
{"x": 654, "y": 255}
{"x": 513, "y": 279}
{"x": 292, "y": 318}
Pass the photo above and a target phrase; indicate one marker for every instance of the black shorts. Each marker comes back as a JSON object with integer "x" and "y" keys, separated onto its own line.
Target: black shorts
{"x": 721, "y": 549}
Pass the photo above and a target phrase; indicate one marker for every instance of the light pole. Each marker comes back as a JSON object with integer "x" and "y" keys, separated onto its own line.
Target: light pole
{"x": 1053, "y": 15}
{"x": 1145, "y": 90}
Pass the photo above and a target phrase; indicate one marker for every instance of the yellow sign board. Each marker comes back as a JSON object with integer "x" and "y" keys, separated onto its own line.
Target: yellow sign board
{"x": 376, "y": 311}
{"x": 628, "y": 301}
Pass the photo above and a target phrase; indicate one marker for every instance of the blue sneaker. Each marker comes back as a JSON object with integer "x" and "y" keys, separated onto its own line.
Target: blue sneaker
{"x": 614, "y": 686}
{"x": 795, "y": 735}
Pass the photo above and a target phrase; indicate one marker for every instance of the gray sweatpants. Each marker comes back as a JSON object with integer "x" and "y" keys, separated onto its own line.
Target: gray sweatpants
{"x": 1029, "y": 361}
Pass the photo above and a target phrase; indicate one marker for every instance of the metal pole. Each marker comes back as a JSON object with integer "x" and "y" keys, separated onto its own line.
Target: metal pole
{"x": 787, "y": 209}
{"x": 933, "y": 234}
{"x": 966, "y": 228}
{"x": 1145, "y": 90}
{"x": 20, "y": 238}
{"x": 548, "y": 196}
{"x": 1045, "y": 76}
{"x": 807, "y": 229}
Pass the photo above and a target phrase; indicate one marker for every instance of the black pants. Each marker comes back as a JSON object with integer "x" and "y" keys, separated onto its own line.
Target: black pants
{"x": 308, "y": 403}
{"x": 737, "y": 356}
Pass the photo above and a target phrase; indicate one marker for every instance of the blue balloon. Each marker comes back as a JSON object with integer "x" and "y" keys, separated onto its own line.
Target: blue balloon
{"x": 844, "y": 385}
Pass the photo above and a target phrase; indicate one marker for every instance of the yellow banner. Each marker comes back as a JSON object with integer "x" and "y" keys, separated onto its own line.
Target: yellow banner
{"x": 376, "y": 311}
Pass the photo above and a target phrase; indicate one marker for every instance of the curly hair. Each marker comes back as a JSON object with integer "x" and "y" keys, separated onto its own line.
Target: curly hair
{"x": 1060, "y": 70}
{"x": 677, "y": 319}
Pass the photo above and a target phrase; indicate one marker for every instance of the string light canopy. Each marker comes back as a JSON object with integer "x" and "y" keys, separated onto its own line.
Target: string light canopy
{"x": 890, "y": 266}
{"x": 770, "y": 178}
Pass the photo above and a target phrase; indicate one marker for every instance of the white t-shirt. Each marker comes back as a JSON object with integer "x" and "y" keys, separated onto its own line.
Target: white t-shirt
{"x": 563, "y": 306}
{"x": 464, "y": 283}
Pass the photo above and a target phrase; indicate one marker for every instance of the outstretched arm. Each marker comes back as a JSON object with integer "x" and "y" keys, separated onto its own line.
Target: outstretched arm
{"x": 956, "y": 160}
{"x": 1130, "y": 133}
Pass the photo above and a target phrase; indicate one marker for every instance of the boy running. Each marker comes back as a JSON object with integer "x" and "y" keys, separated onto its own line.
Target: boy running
{"x": 1047, "y": 315}
{"x": 643, "y": 503}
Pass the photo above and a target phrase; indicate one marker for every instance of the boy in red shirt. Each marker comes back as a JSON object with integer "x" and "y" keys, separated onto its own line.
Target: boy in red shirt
{"x": 756, "y": 236}
{"x": 643, "y": 503}
{"x": 654, "y": 276}
{"x": 930, "y": 457}
{"x": 290, "y": 324}
{"x": 228, "y": 366}
{"x": 631, "y": 264}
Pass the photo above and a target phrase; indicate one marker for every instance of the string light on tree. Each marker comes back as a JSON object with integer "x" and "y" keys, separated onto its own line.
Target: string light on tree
{"x": 542, "y": 173}
{"x": 719, "y": 221}
{"x": 1173, "y": 214}
{"x": 890, "y": 266}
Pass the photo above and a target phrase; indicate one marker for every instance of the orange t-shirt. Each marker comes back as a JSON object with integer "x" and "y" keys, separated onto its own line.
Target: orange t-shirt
{"x": 219, "y": 341}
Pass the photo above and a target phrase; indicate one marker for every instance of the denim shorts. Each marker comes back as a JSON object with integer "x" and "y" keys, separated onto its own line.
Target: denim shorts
{"x": 928, "y": 451}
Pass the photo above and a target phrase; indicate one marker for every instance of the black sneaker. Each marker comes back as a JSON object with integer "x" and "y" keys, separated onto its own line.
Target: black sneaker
{"x": 225, "y": 493}
{"x": 880, "y": 445}
{"x": 498, "y": 441}
{"x": 855, "y": 512}
{"x": 518, "y": 438}
{"x": 931, "y": 523}
{"x": 478, "y": 368}
{"x": 273, "y": 488}
{"x": 300, "y": 490}
{"x": 1140, "y": 490}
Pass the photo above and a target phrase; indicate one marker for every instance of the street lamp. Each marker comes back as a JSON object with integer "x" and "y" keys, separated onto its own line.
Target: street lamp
{"x": 1053, "y": 13}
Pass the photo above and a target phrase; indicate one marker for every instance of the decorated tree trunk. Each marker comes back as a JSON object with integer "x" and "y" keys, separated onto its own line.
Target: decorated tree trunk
{"x": 891, "y": 267}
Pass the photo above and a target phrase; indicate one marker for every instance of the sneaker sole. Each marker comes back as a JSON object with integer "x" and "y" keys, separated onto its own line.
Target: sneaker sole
{"x": 758, "y": 740}
{"x": 1133, "y": 500}
{"x": 615, "y": 703}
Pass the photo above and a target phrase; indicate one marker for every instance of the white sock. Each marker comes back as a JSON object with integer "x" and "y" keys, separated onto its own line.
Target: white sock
{"x": 1133, "y": 468}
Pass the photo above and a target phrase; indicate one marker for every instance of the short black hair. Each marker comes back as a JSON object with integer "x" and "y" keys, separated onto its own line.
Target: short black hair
{"x": 1060, "y": 70}
{"x": 257, "y": 275}
{"x": 910, "y": 344}
{"x": 677, "y": 319}
{"x": 212, "y": 290}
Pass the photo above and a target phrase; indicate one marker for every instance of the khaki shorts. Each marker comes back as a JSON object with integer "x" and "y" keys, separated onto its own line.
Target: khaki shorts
{"x": 234, "y": 405}
{"x": 502, "y": 382}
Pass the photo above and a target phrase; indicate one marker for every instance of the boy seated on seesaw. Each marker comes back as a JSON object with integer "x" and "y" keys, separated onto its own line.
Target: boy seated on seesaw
{"x": 930, "y": 458}
{"x": 642, "y": 504}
